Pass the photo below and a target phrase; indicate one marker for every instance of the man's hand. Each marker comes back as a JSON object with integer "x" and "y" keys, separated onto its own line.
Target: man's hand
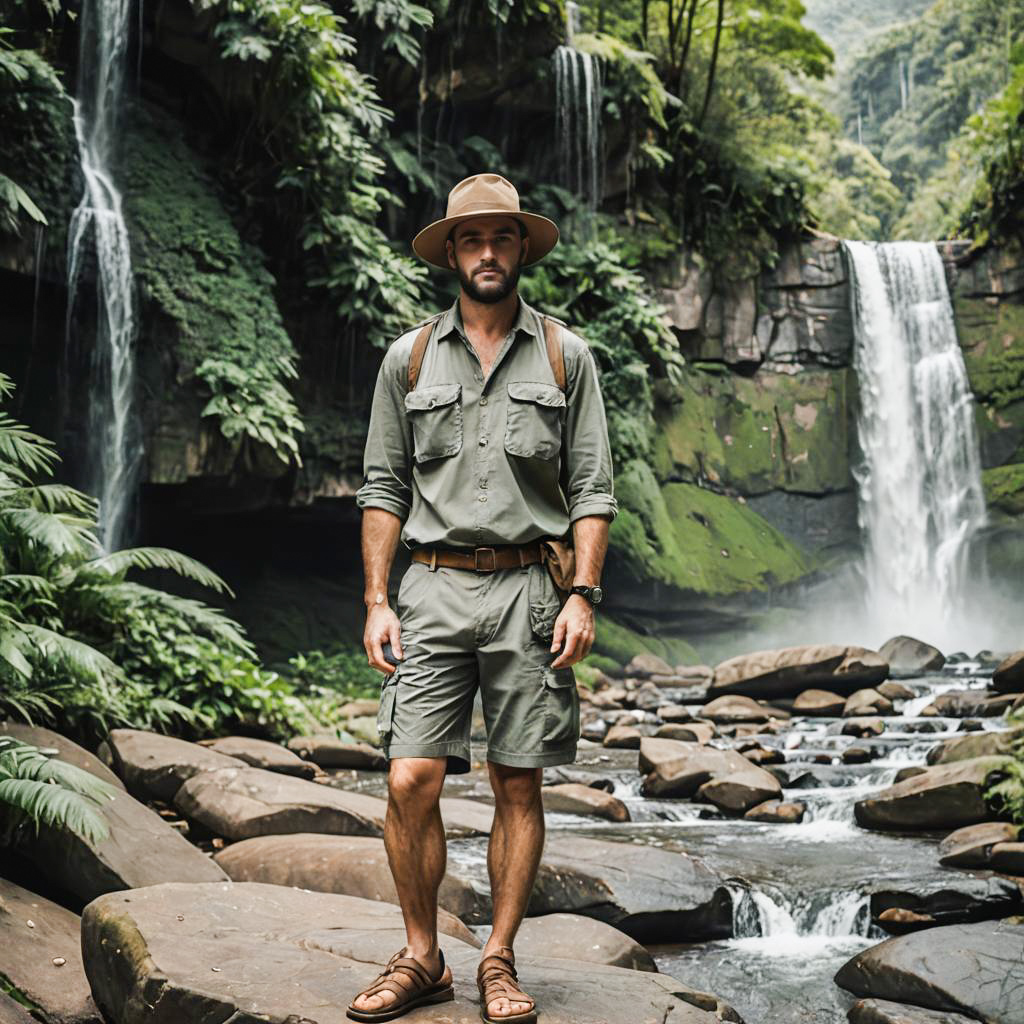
{"x": 382, "y": 625}
{"x": 575, "y": 628}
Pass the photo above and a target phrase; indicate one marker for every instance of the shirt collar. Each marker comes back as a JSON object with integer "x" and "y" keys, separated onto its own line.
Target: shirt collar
{"x": 451, "y": 320}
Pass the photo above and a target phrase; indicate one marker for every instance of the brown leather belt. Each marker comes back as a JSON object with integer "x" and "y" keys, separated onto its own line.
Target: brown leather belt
{"x": 504, "y": 556}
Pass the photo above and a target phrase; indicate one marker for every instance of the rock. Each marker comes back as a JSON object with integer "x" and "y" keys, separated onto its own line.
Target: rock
{"x": 593, "y": 730}
{"x": 622, "y": 737}
{"x": 1008, "y": 857}
{"x": 764, "y": 755}
{"x": 695, "y": 673}
{"x": 818, "y": 703}
{"x": 66, "y": 750}
{"x": 1009, "y": 675}
{"x": 724, "y": 777}
{"x": 863, "y": 728}
{"x": 909, "y": 772}
{"x": 573, "y": 937}
{"x": 883, "y": 1011}
{"x": 866, "y": 702}
{"x": 14, "y": 1013}
{"x": 603, "y": 702}
{"x": 330, "y": 752}
{"x": 970, "y": 846}
{"x": 964, "y": 968}
{"x": 155, "y": 767}
{"x": 263, "y": 754}
{"x": 647, "y": 664}
{"x": 958, "y": 703}
{"x": 28, "y": 954}
{"x": 959, "y": 898}
{"x": 650, "y": 894}
{"x": 675, "y": 713}
{"x": 944, "y": 796}
{"x": 694, "y": 732}
{"x": 856, "y": 755}
{"x": 647, "y": 697}
{"x": 791, "y": 670}
{"x": 346, "y": 865}
{"x": 365, "y": 707}
{"x": 782, "y": 811}
{"x": 910, "y": 657}
{"x": 978, "y": 744}
{"x": 574, "y": 798}
{"x": 895, "y": 691}
{"x": 735, "y": 708}
{"x": 260, "y": 952}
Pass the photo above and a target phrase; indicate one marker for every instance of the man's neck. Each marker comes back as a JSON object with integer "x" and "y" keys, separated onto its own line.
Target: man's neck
{"x": 488, "y": 319}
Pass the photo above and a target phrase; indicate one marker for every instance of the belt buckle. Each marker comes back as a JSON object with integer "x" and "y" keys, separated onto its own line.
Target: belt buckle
{"x": 476, "y": 560}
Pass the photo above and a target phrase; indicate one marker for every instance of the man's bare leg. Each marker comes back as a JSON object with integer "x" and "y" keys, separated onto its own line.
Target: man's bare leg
{"x": 513, "y": 855}
{"x": 414, "y": 839}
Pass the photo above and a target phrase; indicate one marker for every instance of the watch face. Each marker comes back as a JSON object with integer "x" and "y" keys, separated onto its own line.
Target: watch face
{"x": 596, "y": 593}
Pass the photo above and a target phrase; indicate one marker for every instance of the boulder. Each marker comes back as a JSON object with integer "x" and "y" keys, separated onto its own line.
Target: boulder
{"x": 910, "y": 657}
{"x": 14, "y": 1013}
{"x": 647, "y": 664}
{"x": 65, "y": 749}
{"x": 943, "y": 797}
{"x": 958, "y": 898}
{"x": 895, "y": 691}
{"x": 622, "y": 737}
{"x": 691, "y": 674}
{"x": 818, "y": 704}
{"x": 735, "y": 708}
{"x": 575, "y": 798}
{"x": 863, "y": 728}
{"x": 263, "y": 754}
{"x": 650, "y": 894}
{"x": 858, "y": 755}
{"x": 791, "y": 670}
{"x": 346, "y": 865}
{"x": 330, "y": 752}
{"x": 1008, "y": 857}
{"x": 690, "y": 732}
{"x": 963, "y": 968}
{"x": 173, "y": 954}
{"x": 154, "y": 767}
{"x": 675, "y": 713}
{"x": 884, "y": 1011}
{"x": 971, "y": 846}
{"x": 41, "y": 956}
{"x": 573, "y": 937}
{"x": 866, "y": 702}
{"x": 363, "y": 707}
{"x": 1009, "y": 674}
{"x": 781, "y": 811}
{"x": 975, "y": 744}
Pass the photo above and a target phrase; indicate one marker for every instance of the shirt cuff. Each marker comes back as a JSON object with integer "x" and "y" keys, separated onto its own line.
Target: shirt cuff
{"x": 594, "y": 505}
{"x": 384, "y": 501}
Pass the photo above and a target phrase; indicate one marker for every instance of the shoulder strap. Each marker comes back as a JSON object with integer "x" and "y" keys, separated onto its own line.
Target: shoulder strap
{"x": 553, "y": 341}
{"x": 419, "y": 346}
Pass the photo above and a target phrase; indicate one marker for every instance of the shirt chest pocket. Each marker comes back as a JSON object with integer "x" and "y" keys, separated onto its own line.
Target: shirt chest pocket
{"x": 436, "y": 416}
{"x": 533, "y": 427}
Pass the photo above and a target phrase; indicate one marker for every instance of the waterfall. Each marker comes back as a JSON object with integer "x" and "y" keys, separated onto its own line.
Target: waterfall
{"x": 578, "y": 121}
{"x": 760, "y": 913}
{"x": 920, "y": 497}
{"x": 114, "y": 449}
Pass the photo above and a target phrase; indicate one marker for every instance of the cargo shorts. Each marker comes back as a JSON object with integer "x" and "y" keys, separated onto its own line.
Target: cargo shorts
{"x": 463, "y": 630}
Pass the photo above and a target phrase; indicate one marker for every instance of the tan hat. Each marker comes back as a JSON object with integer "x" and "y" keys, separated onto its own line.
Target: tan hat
{"x": 484, "y": 195}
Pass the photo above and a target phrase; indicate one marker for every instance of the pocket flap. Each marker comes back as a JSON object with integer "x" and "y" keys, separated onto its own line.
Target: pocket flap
{"x": 432, "y": 397}
{"x": 534, "y": 391}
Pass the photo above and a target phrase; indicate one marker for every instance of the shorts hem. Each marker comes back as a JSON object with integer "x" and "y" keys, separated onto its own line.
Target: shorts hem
{"x": 541, "y": 759}
{"x": 457, "y": 754}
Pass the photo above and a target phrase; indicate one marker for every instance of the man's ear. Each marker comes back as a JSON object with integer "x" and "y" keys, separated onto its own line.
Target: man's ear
{"x": 449, "y": 248}
{"x": 525, "y": 248}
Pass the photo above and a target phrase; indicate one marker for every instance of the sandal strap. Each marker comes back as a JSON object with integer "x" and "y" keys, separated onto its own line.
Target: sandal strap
{"x": 496, "y": 978}
{"x": 410, "y": 968}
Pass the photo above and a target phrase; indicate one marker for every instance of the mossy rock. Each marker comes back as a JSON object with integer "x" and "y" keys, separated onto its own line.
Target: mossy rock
{"x": 619, "y": 643}
{"x": 1000, "y": 433}
{"x": 992, "y": 338}
{"x": 1004, "y": 488}
{"x": 756, "y": 434}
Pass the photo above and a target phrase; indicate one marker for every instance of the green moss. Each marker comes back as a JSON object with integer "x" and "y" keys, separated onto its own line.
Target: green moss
{"x": 1004, "y": 488}
{"x": 600, "y": 661}
{"x": 770, "y": 431}
{"x": 992, "y": 338}
{"x": 619, "y": 643}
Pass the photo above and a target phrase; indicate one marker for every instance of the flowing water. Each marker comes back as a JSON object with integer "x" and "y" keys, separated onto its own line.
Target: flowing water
{"x": 98, "y": 227}
{"x": 578, "y": 122}
{"x": 919, "y": 485}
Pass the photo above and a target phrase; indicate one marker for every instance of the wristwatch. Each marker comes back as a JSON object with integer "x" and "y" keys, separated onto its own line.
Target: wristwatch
{"x": 592, "y": 594}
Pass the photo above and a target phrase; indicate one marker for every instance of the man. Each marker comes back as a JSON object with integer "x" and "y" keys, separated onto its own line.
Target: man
{"x": 480, "y": 449}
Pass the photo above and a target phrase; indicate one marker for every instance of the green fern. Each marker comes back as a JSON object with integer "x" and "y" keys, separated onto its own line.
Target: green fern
{"x": 120, "y": 562}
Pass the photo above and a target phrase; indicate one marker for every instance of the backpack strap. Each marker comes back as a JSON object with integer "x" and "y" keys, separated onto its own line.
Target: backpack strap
{"x": 419, "y": 346}
{"x": 553, "y": 341}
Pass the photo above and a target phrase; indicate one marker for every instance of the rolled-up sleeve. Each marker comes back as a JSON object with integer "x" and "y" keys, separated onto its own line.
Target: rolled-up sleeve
{"x": 588, "y": 454}
{"x": 387, "y": 460}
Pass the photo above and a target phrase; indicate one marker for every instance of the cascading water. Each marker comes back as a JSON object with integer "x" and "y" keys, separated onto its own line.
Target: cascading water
{"x": 114, "y": 450}
{"x": 920, "y": 494}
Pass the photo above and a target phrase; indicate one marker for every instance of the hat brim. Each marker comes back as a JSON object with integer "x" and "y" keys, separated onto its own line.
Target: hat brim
{"x": 429, "y": 244}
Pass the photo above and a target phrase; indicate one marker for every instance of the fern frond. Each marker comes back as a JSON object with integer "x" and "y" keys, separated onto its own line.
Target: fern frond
{"x": 26, "y": 761}
{"x": 56, "y": 498}
{"x": 79, "y": 658}
{"x": 58, "y": 533}
{"x": 159, "y": 558}
{"x": 47, "y": 804}
{"x": 27, "y": 451}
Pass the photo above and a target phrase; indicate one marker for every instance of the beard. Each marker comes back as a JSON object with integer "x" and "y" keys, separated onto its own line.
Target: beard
{"x": 491, "y": 292}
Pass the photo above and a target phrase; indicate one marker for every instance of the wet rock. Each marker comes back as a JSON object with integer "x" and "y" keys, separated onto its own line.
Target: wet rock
{"x": 757, "y": 754}
{"x": 647, "y": 697}
{"x": 12, "y": 1012}
{"x": 964, "y": 968}
{"x": 971, "y": 846}
{"x": 883, "y": 1011}
{"x": 863, "y": 728}
{"x": 960, "y": 703}
{"x": 155, "y": 767}
{"x": 348, "y": 866}
{"x": 67, "y": 751}
{"x": 623, "y": 737}
{"x": 603, "y": 702}
{"x": 1009, "y": 675}
{"x": 691, "y": 732}
{"x": 895, "y": 691}
{"x": 671, "y": 713}
{"x": 961, "y": 898}
{"x": 856, "y": 755}
{"x": 981, "y": 744}
{"x": 647, "y": 664}
{"x": 33, "y": 934}
{"x": 909, "y": 772}
{"x": 944, "y": 796}
{"x": 736, "y": 708}
{"x": 248, "y": 951}
{"x": 574, "y": 798}
{"x": 330, "y": 752}
{"x": 574, "y": 937}
{"x": 1008, "y": 857}
{"x": 781, "y": 811}
{"x": 263, "y": 754}
{"x": 594, "y": 730}
{"x": 866, "y": 702}
{"x": 818, "y": 703}
{"x": 910, "y": 657}
{"x": 691, "y": 674}
{"x": 364, "y": 707}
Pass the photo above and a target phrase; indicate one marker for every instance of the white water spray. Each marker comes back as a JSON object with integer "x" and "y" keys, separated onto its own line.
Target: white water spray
{"x": 578, "y": 121}
{"x": 919, "y": 486}
{"x": 114, "y": 450}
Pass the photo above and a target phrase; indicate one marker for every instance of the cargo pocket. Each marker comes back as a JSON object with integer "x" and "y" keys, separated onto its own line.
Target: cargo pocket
{"x": 561, "y": 708}
{"x": 533, "y": 425}
{"x": 386, "y": 711}
{"x": 436, "y": 416}
{"x": 545, "y": 603}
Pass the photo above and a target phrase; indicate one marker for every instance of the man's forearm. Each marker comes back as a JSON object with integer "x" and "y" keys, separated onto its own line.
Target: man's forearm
{"x": 380, "y": 533}
{"x": 590, "y": 539}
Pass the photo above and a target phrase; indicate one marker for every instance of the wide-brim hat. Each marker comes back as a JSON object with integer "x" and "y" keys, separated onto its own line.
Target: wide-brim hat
{"x": 484, "y": 195}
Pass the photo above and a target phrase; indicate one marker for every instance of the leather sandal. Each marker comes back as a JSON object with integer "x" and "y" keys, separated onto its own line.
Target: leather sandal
{"x": 424, "y": 990}
{"x": 496, "y": 978}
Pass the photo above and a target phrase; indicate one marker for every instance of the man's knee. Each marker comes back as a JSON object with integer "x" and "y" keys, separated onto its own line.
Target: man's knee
{"x": 515, "y": 787}
{"x": 416, "y": 781}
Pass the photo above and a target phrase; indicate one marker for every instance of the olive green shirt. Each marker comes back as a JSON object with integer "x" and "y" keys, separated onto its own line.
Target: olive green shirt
{"x": 472, "y": 462}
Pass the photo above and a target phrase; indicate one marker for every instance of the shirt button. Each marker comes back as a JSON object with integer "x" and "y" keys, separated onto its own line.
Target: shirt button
{"x": 483, "y": 441}
{"x": 478, "y": 376}
{"x": 483, "y": 401}
{"x": 482, "y": 497}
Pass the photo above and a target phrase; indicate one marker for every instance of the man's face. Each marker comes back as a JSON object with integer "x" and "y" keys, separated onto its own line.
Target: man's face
{"x": 487, "y": 253}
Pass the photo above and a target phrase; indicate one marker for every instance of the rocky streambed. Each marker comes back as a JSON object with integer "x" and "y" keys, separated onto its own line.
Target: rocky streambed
{"x": 794, "y": 837}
